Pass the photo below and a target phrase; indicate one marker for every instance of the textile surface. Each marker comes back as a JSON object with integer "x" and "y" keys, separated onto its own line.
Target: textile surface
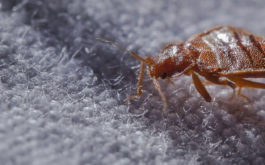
{"x": 62, "y": 90}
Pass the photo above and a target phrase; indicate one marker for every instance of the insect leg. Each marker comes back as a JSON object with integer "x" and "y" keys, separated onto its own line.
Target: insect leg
{"x": 171, "y": 82}
{"x": 200, "y": 87}
{"x": 140, "y": 83}
{"x": 185, "y": 71}
{"x": 161, "y": 93}
{"x": 241, "y": 82}
{"x": 217, "y": 80}
{"x": 245, "y": 97}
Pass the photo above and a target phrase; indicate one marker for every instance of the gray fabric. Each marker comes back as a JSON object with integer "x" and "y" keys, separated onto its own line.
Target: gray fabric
{"x": 62, "y": 90}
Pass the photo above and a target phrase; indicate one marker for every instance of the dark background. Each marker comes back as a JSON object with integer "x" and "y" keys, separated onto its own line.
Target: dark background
{"x": 62, "y": 90}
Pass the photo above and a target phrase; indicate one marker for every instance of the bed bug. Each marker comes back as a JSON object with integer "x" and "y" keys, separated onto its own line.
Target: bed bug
{"x": 223, "y": 55}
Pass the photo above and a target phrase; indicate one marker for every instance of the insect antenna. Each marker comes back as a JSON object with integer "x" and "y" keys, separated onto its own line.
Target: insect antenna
{"x": 143, "y": 62}
{"x": 122, "y": 49}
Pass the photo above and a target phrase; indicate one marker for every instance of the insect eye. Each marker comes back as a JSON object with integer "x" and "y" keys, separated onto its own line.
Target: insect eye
{"x": 164, "y": 75}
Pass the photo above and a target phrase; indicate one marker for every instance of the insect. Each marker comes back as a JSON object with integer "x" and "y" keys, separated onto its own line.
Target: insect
{"x": 223, "y": 55}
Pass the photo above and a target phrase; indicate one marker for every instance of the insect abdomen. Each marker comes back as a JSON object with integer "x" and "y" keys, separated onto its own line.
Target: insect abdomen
{"x": 228, "y": 49}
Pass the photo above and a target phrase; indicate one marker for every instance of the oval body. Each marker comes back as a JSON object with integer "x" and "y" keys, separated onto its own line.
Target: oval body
{"x": 223, "y": 55}
{"x": 228, "y": 50}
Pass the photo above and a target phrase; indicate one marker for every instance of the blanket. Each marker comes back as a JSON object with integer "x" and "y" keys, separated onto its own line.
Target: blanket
{"x": 62, "y": 90}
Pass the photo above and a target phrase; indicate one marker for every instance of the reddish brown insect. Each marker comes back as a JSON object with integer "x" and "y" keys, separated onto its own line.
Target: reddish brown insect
{"x": 223, "y": 55}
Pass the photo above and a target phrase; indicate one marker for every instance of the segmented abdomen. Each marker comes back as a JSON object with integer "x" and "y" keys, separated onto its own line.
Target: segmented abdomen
{"x": 228, "y": 49}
